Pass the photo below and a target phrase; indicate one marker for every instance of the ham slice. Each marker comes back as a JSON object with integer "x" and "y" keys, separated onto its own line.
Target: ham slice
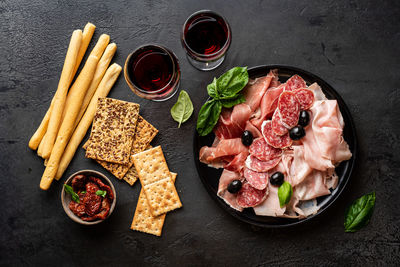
{"x": 270, "y": 206}
{"x": 232, "y": 123}
{"x": 312, "y": 187}
{"x": 226, "y": 178}
{"x": 323, "y": 143}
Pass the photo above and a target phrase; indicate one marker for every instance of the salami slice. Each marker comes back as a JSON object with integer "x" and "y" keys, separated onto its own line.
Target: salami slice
{"x": 273, "y": 139}
{"x": 276, "y": 124}
{"x": 289, "y": 109}
{"x": 261, "y": 150}
{"x": 294, "y": 82}
{"x": 257, "y": 165}
{"x": 258, "y": 180}
{"x": 249, "y": 196}
{"x": 305, "y": 97}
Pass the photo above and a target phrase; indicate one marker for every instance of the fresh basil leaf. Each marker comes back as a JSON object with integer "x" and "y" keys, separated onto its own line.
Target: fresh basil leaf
{"x": 101, "y": 193}
{"x": 208, "y": 116}
{"x": 228, "y": 103}
{"x": 212, "y": 89}
{"x": 359, "y": 213}
{"x": 83, "y": 192}
{"x": 183, "y": 108}
{"x": 233, "y": 81}
{"x": 285, "y": 192}
{"x": 70, "y": 191}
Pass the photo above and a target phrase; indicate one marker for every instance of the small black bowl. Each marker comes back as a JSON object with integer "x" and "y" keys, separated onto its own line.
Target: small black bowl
{"x": 210, "y": 176}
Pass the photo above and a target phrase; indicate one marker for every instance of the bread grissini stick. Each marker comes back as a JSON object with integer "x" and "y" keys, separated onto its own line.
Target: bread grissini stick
{"x": 103, "y": 89}
{"x": 77, "y": 93}
{"x": 101, "y": 68}
{"x": 61, "y": 93}
{"x": 37, "y": 137}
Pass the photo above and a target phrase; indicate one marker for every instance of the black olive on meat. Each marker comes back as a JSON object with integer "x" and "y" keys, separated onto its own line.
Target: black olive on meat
{"x": 297, "y": 133}
{"x": 277, "y": 179}
{"x": 247, "y": 138}
{"x": 234, "y": 186}
{"x": 304, "y": 118}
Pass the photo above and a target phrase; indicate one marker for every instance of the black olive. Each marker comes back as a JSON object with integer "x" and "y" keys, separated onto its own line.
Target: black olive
{"x": 304, "y": 118}
{"x": 277, "y": 178}
{"x": 297, "y": 132}
{"x": 247, "y": 138}
{"x": 234, "y": 186}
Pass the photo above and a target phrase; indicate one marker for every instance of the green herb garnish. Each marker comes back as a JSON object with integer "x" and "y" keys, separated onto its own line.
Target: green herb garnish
{"x": 183, "y": 108}
{"x": 70, "y": 191}
{"x": 225, "y": 92}
{"x": 83, "y": 192}
{"x": 359, "y": 213}
{"x": 101, "y": 193}
{"x": 285, "y": 192}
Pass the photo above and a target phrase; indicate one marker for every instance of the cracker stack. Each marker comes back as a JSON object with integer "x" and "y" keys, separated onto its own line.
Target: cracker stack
{"x": 120, "y": 142}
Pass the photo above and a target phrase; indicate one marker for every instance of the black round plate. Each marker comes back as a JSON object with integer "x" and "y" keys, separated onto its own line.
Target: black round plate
{"x": 210, "y": 176}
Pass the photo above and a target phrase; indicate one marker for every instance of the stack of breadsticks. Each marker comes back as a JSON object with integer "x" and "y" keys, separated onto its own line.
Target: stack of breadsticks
{"x": 73, "y": 106}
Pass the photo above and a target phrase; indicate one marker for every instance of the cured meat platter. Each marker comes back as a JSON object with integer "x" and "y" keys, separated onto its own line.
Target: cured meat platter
{"x": 210, "y": 176}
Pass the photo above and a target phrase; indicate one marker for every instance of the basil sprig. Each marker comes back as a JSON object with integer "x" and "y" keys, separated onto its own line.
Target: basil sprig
{"x": 285, "y": 192}
{"x": 70, "y": 191}
{"x": 224, "y": 92}
{"x": 359, "y": 213}
{"x": 101, "y": 193}
{"x": 183, "y": 108}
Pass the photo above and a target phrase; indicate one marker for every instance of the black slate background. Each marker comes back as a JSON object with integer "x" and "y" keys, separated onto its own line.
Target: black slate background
{"x": 353, "y": 45}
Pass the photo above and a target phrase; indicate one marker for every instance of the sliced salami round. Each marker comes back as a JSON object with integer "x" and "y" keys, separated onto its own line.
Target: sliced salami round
{"x": 257, "y": 165}
{"x": 273, "y": 139}
{"x": 289, "y": 109}
{"x": 261, "y": 150}
{"x": 258, "y": 180}
{"x": 294, "y": 82}
{"x": 305, "y": 97}
{"x": 276, "y": 124}
{"x": 249, "y": 196}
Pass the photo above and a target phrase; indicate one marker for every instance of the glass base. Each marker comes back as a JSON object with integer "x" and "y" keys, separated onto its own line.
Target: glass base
{"x": 205, "y": 66}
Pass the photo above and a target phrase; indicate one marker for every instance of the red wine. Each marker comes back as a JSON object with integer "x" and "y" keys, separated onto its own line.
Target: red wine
{"x": 206, "y": 33}
{"x": 151, "y": 69}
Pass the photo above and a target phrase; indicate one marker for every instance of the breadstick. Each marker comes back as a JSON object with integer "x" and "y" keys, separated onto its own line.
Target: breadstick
{"x": 61, "y": 93}
{"x": 98, "y": 75}
{"x": 102, "y": 91}
{"x": 97, "y": 52}
{"x": 77, "y": 92}
{"x": 87, "y": 35}
{"x": 38, "y": 135}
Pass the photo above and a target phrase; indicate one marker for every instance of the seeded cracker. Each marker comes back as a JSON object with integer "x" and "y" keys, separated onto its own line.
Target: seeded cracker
{"x": 156, "y": 181}
{"x": 113, "y": 131}
{"x": 131, "y": 176}
{"x": 144, "y": 134}
{"x": 143, "y": 220}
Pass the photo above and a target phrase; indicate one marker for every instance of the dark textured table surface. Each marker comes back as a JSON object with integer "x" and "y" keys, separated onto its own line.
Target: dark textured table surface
{"x": 353, "y": 45}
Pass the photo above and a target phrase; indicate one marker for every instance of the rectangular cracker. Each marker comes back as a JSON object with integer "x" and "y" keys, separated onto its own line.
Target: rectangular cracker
{"x": 113, "y": 131}
{"x": 131, "y": 176}
{"x": 143, "y": 220}
{"x": 144, "y": 134}
{"x": 156, "y": 181}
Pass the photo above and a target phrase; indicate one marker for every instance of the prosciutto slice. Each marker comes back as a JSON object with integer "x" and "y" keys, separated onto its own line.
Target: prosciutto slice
{"x": 268, "y": 104}
{"x": 232, "y": 123}
{"x": 255, "y": 91}
{"x": 226, "y": 178}
{"x": 224, "y": 148}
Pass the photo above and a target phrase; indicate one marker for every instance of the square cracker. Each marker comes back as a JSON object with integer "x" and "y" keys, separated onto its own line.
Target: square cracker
{"x": 131, "y": 176}
{"x": 113, "y": 131}
{"x": 143, "y": 220}
{"x": 144, "y": 134}
{"x": 156, "y": 181}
